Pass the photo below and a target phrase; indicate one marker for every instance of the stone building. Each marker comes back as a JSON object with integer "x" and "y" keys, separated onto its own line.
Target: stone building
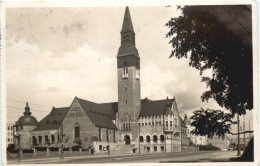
{"x": 131, "y": 123}
{"x": 9, "y": 134}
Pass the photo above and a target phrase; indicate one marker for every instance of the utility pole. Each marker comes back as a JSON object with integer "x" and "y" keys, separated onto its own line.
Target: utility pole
{"x": 244, "y": 132}
{"x": 139, "y": 138}
{"x": 238, "y": 137}
{"x": 171, "y": 142}
{"x": 61, "y": 133}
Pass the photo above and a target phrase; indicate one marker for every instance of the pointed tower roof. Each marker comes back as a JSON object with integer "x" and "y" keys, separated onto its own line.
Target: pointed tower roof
{"x": 127, "y": 23}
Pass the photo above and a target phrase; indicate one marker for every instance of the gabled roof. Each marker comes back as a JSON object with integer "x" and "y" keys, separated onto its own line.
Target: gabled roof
{"x": 153, "y": 108}
{"x": 53, "y": 120}
{"x": 99, "y": 114}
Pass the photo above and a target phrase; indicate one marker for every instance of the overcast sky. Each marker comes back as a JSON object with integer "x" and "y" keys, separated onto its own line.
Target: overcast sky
{"x": 55, "y": 54}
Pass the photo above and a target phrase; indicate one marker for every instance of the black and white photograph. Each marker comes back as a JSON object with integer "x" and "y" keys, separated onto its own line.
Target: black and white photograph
{"x": 119, "y": 83}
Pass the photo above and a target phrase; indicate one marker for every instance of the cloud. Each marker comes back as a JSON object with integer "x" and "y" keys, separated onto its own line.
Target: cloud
{"x": 39, "y": 77}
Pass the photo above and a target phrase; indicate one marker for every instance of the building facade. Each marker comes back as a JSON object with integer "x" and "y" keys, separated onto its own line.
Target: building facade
{"x": 131, "y": 123}
{"x": 9, "y": 134}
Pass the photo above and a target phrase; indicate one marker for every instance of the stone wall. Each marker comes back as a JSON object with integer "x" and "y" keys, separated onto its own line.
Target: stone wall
{"x": 76, "y": 116}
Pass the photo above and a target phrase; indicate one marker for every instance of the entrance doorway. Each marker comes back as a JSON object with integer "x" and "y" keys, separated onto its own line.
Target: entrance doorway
{"x": 127, "y": 139}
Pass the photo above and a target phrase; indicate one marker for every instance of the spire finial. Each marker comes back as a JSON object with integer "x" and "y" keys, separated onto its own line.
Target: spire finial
{"x": 127, "y": 23}
{"x": 27, "y": 109}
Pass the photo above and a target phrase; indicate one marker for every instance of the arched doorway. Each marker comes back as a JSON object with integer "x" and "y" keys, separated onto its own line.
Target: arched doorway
{"x": 127, "y": 139}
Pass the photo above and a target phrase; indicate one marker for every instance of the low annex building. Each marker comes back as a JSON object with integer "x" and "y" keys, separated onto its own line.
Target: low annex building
{"x": 131, "y": 123}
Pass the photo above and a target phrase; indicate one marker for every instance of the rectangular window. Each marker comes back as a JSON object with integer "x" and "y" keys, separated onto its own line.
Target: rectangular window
{"x": 162, "y": 148}
{"x": 40, "y": 139}
{"x": 77, "y": 132}
{"x": 145, "y": 124}
{"x": 52, "y": 138}
{"x": 129, "y": 126}
{"x": 126, "y": 126}
{"x": 155, "y": 148}
{"x": 142, "y": 124}
{"x": 166, "y": 123}
{"x": 125, "y": 70}
{"x": 46, "y": 139}
{"x": 8, "y": 128}
{"x": 170, "y": 123}
{"x": 149, "y": 123}
{"x": 123, "y": 126}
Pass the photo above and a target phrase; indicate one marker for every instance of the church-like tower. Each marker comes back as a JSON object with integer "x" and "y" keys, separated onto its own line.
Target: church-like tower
{"x": 128, "y": 69}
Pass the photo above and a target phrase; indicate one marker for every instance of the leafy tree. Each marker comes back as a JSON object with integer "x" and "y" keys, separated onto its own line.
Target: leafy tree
{"x": 208, "y": 122}
{"x": 210, "y": 44}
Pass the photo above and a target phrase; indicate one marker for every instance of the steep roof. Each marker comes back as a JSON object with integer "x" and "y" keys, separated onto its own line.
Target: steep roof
{"x": 153, "y": 108}
{"x": 53, "y": 120}
{"x": 127, "y": 23}
{"x": 99, "y": 114}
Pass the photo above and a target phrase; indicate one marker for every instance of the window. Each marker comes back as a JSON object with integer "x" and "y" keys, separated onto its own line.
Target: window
{"x": 125, "y": 70}
{"x": 162, "y": 148}
{"x": 123, "y": 126}
{"x": 170, "y": 123}
{"x": 149, "y": 123}
{"x": 155, "y": 148}
{"x": 46, "y": 139}
{"x": 147, "y": 138}
{"x": 100, "y": 147}
{"x": 141, "y": 138}
{"x": 166, "y": 123}
{"x": 142, "y": 124}
{"x": 8, "y": 127}
{"x": 162, "y": 138}
{"x": 8, "y": 139}
{"x": 99, "y": 134}
{"x": 148, "y": 149}
{"x": 126, "y": 101}
{"x": 76, "y": 130}
{"x": 129, "y": 126}
{"x": 40, "y": 139}
{"x": 155, "y": 138}
{"x": 145, "y": 124}
{"x": 126, "y": 89}
{"x": 52, "y": 138}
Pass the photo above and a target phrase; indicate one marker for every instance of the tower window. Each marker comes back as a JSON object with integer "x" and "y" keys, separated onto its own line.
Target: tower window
{"x": 125, "y": 70}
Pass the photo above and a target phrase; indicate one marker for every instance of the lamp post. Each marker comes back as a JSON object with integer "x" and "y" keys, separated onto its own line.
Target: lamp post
{"x": 17, "y": 136}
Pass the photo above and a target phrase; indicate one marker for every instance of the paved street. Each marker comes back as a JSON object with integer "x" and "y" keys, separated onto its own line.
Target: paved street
{"x": 215, "y": 156}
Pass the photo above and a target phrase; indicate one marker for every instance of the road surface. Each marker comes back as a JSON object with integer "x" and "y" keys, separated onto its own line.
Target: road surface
{"x": 201, "y": 156}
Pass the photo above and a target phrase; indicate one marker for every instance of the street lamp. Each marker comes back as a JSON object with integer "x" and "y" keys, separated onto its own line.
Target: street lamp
{"x": 17, "y": 136}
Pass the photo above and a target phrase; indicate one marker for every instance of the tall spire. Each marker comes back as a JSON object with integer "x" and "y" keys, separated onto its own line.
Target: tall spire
{"x": 127, "y": 23}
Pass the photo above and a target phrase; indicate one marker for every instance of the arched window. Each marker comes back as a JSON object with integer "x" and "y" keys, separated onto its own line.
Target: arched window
{"x": 141, "y": 138}
{"x": 76, "y": 130}
{"x": 162, "y": 138}
{"x": 147, "y": 138}
{"x": 155, "y": 138}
